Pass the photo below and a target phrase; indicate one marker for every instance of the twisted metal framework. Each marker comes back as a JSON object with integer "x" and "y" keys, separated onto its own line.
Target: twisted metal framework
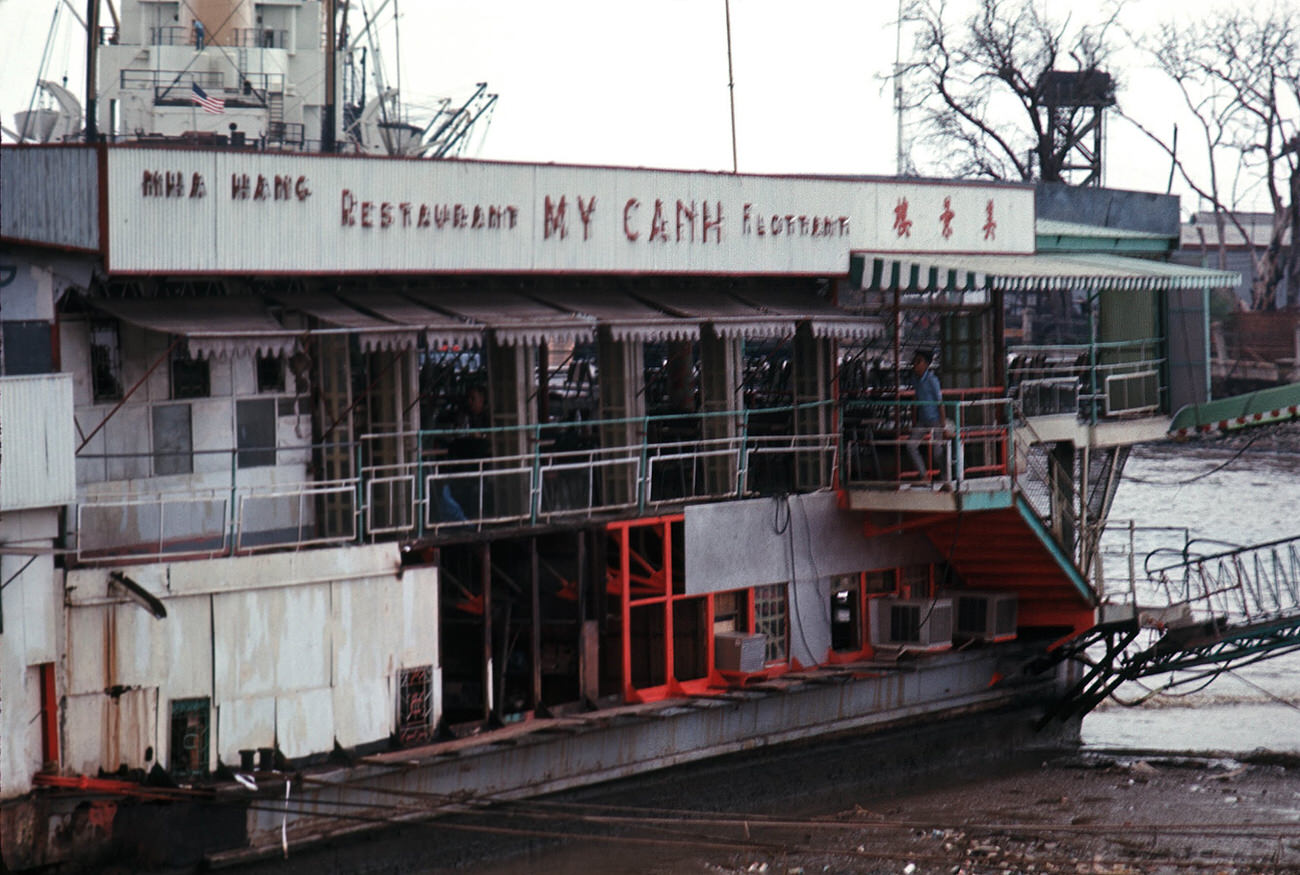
{"x": 1226, "y": 610}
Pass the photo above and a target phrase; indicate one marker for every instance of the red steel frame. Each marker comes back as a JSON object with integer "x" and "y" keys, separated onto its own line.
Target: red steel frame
{"x": 49, "y": 715}
{"x": 662, "y": 595}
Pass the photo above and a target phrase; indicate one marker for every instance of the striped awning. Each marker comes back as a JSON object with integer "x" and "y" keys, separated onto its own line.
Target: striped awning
{"x": 373, "y": 333}
{"x": 213, "y": 327}
{"x": 626, "y": 317}
{"x": 512, "y": 318}
{"x": 882, "y": 271}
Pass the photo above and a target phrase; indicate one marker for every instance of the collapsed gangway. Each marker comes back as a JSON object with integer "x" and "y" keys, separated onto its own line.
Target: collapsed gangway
{"x": 1221, "y": 611}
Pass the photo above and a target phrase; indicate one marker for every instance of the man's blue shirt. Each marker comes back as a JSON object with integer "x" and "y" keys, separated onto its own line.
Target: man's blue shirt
{"x": 928, "y": 394}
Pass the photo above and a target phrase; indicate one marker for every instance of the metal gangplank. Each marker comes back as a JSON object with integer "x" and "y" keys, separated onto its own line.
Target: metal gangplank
{"x": 1222, "y": 611}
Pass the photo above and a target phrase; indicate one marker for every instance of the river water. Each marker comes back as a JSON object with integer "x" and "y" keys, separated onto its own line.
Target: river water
{"x": 1242, "y": 492}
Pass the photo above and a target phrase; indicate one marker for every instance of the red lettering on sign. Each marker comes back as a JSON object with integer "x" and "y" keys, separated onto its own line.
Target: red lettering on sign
{"x": 714, "y": 225}
{"x": 945, "y": 218}
{"x": 263, "y": 190}
{"x": 628, "y": 208}
{"x": 300, "y": 189}
{"x": 349, "y": 208}
{"x": 441, "y": 215}
{"x": 902, "y": 224}
{"x": 990, "y": 226}
{"x": 659, "y": 224}
{"x": 385, "y": 214}
{"x": 584, "y": 213}
{"x": 239, "y": 187}
{"x": 151, "y": 184}
{"x": 426, "y": 216}
{"x": 197, "y": 188}
{"x": 553, "y": 220}
{"x": 366, "y": 208}
{"x": 477, "y": 220}
{"x": 405, "y": 207}
{"x": 685, "y": 216}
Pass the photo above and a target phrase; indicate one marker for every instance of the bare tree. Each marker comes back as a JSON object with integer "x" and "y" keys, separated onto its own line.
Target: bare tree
{"x": 980, "y": 87}
{"x": 1238, "y": 72}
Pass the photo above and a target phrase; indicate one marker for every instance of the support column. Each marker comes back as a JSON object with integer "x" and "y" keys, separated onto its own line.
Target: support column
{"x": 720, "y": 370}
{"x": 510, "y": 379}
{"x": 620, "y": 363}
{"x": 1061, "y": 480}
{"x": 811, "y": 382}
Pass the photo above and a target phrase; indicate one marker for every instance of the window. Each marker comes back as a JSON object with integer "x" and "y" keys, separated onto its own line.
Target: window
{"x": 770, "y": 619}
{"x": 105, "y": 362}
{"x": 415, "y": 705}
{"x": 270, "y": 374}
{"x": 255, "y": 432}
{"x": 190, "y": 378}
{"x": 173, "y": 445}
{"x": 189, "y": 736}
{"x": 27, "y": 347}
{"x": 885, "y": 581}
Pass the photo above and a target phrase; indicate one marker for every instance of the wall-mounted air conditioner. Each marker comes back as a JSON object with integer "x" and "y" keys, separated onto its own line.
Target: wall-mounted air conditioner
{"x": 739, "y": 651}
{"x": 984, "y": 616}
{"x": 912, "y": 624}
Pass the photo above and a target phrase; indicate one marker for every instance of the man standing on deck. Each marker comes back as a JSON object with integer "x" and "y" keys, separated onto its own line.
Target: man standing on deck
{"x": 930, "y": 422}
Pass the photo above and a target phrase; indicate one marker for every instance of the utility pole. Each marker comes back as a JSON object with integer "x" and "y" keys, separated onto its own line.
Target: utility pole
{"x": 731, "y": 88}
{"x": 327, "y": 112}
{"x": 92, "y": 61}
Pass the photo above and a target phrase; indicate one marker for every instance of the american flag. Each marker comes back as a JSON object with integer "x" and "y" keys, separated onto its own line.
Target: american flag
{"x": 214, "y": 105}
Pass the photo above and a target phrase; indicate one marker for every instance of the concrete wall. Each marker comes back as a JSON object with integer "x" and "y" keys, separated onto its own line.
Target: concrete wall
{"x": 295, "y": 651}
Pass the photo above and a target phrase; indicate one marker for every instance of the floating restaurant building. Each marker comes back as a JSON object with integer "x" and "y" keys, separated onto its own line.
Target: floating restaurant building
{"x": 360, "y": 475}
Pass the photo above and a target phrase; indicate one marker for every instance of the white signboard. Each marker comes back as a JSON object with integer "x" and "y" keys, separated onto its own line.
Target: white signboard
{"x": 211, "y": 212}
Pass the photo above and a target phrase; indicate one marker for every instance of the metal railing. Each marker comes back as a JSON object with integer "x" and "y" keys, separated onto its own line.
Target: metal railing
{"x": 421, "y": 483}
{"x": 880, "y": 436}
{"x": 1096, "y": 380}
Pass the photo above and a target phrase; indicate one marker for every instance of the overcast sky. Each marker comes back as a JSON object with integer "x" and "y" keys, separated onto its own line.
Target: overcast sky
{"x": 645, "y": 83}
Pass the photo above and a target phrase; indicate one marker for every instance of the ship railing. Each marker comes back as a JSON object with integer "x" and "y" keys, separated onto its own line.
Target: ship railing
{"x": 974, "y": 449}
{"x": 458, "y": 478}
{"x": 214, "y": 502}
{"x": 1095, "y": 380}
{"x": 257, "y": 38}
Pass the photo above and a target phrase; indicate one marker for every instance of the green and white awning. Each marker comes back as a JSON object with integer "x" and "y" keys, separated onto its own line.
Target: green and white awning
{"x": 884, "y": 271}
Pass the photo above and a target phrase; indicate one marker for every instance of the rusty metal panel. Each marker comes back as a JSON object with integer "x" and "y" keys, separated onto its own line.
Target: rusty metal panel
{"x": 103, "y": 731}
{"x": 50, "y": 194}
{"x": 353, "y": 215}
{"x": 37, "y": 454}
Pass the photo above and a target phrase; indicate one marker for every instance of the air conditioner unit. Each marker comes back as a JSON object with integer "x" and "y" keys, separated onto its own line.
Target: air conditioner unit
{"x": 739, "y": 652}
{"x": 985, "y": 616}
{"x": 912, "y": 624}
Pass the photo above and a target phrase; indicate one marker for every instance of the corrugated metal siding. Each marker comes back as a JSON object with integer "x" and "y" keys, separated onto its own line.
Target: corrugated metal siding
{"x": 50, "y": 195}
{"x": 307, "y": 650}
{"x": 37, "y": 461}
{"x": 494, "y": 217}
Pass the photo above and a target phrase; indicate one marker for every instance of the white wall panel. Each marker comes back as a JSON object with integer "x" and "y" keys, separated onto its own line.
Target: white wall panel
{"x": 304, "y": 722}
{"x": 337, "y": 214}
{"x": 50, "y": 195}
{"x": 37, "y": 461}
{"x": 365, "y": 709}
{"x": 245, "y": 724}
